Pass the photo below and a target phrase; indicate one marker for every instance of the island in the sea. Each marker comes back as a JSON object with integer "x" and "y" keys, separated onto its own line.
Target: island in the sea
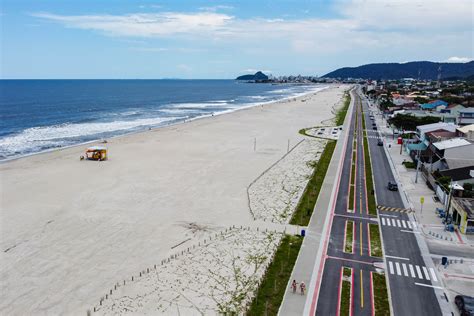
{"x": 257, "y": 77}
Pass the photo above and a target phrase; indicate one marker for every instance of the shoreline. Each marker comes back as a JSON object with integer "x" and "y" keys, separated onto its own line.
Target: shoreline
{"x": 73, "y": 228}
{"x": 147, "y": 129}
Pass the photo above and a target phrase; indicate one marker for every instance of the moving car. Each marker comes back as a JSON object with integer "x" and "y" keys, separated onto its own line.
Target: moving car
{"x": 380, "y": 143}
{"x": 465, "y": 304}
{"x": 392, "y": 186}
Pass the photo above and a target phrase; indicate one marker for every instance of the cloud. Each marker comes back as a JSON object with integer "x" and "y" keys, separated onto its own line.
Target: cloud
{"x": 216, "y": 8}
{"x": 456, "y": 59}
{"x": 143, "y": 24}
{"x": 184, "y": 67}
{"x": 252, "y": 70}
{"x": 405, "y": 26}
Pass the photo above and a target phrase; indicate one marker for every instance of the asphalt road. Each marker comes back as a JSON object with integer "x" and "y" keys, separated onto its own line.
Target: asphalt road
{"x": 410, "y": 295}
{"x": 359, "y": 259}
{"x": 409, "y": 280}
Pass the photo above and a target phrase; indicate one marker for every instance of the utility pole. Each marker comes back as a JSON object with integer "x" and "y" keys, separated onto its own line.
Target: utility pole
{"x": 418, "y": 165}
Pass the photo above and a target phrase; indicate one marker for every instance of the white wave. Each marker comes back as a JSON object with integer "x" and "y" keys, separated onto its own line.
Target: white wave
{"x": 203, "y": 105}
{"x": 35, "y": 138}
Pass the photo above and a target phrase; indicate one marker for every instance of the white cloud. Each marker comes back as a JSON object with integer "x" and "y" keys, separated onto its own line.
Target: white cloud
{"x": 456, "y": 59}
{"x": 216, "y": 8}
{"x": 144, "y": 24}
{"x": 400, "y": 27}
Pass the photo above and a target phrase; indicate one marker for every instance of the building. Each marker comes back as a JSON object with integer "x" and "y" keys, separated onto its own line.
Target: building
{"x": 460, "y": 175}
{"x": 466, "y": 116}
{"x": 462, "y": 210}
{"x": 437, "y": 105}
{"x": 466, "y": 132}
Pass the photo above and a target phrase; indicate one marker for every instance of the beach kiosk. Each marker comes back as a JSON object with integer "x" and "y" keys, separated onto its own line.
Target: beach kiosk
{"x": 98, "y": 153}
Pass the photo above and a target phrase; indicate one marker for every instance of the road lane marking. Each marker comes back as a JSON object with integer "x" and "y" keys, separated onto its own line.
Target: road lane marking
{"x": 390, "y": 265}
{"x": 388, "y": 222}
{"x": 398, "y": 223}
{"x": 394, "y": 223}
{"x": 401, "y": 258}
{"x": 418, "y": 271}
{"x": 409, "y": 231}
{"x": 403, "y": 224}
{"x": 387, "y": 215}
{"x": 412, "y": 271}
{"x": 409, "y": 225}
{"x": 383, "y": 220}
{"x": 361, "y": 244}
{"x": 427, "y": 285}
{"x": 414, "y": 225}
{"x": 427, "y": 275}
{"x": 405, "y": 270}
{"x": 361, "y": 290}
{"x": 433, "y": 274}
{"x": 397, "y": 265}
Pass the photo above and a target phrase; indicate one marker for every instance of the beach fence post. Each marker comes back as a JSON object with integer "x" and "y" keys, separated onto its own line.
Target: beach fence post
{"x": 255, "y": 144}
{"x": 288, "y": 147}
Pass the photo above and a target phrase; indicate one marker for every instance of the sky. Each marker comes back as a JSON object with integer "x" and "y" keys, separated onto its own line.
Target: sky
{"x": 122, "y": 39}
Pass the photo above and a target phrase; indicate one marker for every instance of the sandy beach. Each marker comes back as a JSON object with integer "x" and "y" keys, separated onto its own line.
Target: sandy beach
{"x": 71, "y": 229}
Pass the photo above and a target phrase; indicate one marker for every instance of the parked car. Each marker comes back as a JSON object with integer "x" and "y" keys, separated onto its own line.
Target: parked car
{"x": 465, "y": 305}
{"x": 374, "y": 128}
{"x": 392, "y": 186}
{"x": 380, "y": 142}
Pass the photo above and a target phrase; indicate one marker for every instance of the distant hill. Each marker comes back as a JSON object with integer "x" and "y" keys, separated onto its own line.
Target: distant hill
{"x": 425, "y": 70}
{"x": 258, "y": 76}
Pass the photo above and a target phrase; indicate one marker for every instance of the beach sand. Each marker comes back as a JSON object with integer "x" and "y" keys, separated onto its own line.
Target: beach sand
{"x": 70, "y": 229}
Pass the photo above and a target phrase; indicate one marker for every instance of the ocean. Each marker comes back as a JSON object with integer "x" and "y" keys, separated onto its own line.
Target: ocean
{"x": 39, "y": 115}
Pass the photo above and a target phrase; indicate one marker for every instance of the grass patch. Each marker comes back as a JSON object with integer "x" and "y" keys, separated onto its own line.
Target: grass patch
{"x": 381, "y": 304}
{"x": 346, "y": 292}
{"x": 349, "y": 236}
{"x": 409, "y": 164}
{"x": 275, "y": 282}
{"x": 305, "y": 206}
{"x": 341, "y": 114}
{"x": 375, "y": 243}
{"x": 368, "y": 175}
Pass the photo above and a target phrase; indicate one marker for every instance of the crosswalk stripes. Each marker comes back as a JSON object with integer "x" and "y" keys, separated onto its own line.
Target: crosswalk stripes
{"x": 394, "y": 209}
{"x": 401, "y": 223}
{"x": 413, "y": 271}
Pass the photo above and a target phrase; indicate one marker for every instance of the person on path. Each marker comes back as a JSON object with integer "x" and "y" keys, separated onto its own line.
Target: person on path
{"x": 293, "y": 286}
{"x": 302, "y": 288}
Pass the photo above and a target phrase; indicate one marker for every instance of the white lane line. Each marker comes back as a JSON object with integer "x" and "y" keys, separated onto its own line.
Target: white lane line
{"x": 398, "y": 223}
{"x": 414, "y": 224}
{"x": 394, "y": 223}
{"x": 399, "y": 272}
{"x": 433, "y": 274}
{"x": 427, "y": 285}
{"x": 409, "y": 231}
{"x": 427, "y": 275}
{"x": 409, "y": 225}
{"x": 383, "y": 221}
{"x": 388, "y": 215}
{"x": 412, "y": 271}
{"x": 401, "y": 258}
{"x": 388, "y": 222}
{"x": 390, "y": 266}
{"x": 403, "y": 224}
{"x": 405, "y": 270}
{"x": 418, "y": 271}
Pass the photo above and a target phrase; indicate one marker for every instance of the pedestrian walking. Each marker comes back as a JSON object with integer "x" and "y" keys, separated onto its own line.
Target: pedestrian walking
{"x": 293, "y": 286}
{"x": 302, "y": 287}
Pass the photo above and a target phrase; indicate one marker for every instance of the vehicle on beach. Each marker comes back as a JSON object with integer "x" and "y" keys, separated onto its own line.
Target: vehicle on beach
{"x": 392, "y": 186}
{"x": 98, "y": 153}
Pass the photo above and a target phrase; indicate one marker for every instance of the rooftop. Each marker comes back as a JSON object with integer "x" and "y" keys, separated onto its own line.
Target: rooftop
{"x": 458, "y": 174}
{"x": 466, "y": 129}
{"x": 434, "y": 126}
{"x": 467, "y": 205}
{"x": 451, "y": 143}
